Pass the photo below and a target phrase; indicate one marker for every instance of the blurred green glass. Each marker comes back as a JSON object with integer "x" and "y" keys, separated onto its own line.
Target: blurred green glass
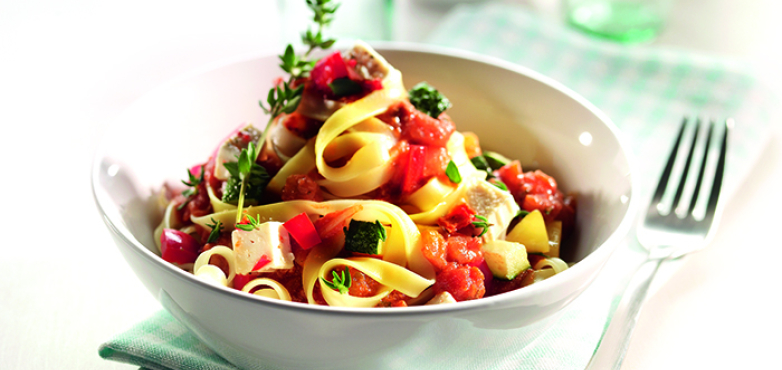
{"x": 627, "y": 21}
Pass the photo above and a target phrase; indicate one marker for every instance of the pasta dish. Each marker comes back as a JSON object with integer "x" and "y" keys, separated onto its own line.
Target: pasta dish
{"x": 362, "y": 193}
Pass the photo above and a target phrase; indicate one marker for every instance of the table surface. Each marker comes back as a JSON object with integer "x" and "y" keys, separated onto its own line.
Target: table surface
{"x": 68, "y": 67}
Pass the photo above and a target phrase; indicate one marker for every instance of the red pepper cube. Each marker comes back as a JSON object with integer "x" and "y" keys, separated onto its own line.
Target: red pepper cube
{"x": 303, "y": 231}
{"x": 263, "y": 261}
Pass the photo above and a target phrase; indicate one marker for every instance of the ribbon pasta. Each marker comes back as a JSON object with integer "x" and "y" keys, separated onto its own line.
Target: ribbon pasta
{"x": 391, "y": 276}
{"x": 212, "y": 273}
{"x": 275, "y": 290}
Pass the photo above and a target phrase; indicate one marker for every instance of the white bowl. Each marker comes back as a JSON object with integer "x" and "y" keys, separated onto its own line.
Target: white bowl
{"x": 515, "y": 111}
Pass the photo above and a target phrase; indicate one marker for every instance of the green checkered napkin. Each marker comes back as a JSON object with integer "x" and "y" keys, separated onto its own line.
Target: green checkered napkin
{"x": 644, "y": 91}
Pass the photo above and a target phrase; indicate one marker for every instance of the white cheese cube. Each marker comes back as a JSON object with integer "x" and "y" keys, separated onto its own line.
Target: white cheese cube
{"x": 270, "y": 239}
{"x": 498, "y": 206}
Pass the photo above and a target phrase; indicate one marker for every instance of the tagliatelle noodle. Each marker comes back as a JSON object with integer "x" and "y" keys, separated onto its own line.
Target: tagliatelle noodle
{"x": 370, "y": 166}
{"x": 391, "y": 276}
{"x": 212, "y": 273}
{"x": 554, "y": 263}
{"x": 540, "y": 275}
{"x": 277, "y": 290}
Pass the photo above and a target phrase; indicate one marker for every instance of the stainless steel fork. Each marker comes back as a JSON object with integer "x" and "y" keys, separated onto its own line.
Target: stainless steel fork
{"x": 667, "y": 233}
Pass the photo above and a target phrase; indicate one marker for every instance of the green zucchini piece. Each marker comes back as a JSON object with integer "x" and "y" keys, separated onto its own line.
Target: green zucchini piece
{"x": 365, "y": 237}
{"x": 495, "y": 160}
{"x": 505, "y": 259}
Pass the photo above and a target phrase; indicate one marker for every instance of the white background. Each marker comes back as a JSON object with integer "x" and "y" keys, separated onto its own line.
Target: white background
{"x": 68, "y": 67}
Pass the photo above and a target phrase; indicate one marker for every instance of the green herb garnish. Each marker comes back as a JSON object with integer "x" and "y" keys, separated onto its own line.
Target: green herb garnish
{"x": 483, "y": 223}
{"x": 480, "y": 163}
{"x": 453, "y": 172}
{"x": 217, "y": 227}
{"x": 521, "y": 213}
{"x": 340, "y": 282}
{"x": 499, "y": 184}
{"x": 285, "y": 98}
{"x": 428, "y": 100}
{"x": 495, "y": 160}
{"x": 192, "y": 187}
{"x": 324, "y": 14}
{"x": 252, "y": 225}
{"x": 248, "y": 179}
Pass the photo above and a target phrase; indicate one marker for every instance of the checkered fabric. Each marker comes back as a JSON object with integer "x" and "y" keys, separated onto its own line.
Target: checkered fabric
{"x": 645, "y": 91}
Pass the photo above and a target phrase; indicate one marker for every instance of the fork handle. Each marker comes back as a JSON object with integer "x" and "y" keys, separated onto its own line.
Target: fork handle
{"x": 613, "y": 346}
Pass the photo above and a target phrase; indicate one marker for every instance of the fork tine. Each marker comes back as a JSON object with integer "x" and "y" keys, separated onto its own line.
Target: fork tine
{"x": 658, "y": 194}
{"x": 699, "y": 182}
{"x": 687, "y": 164}
{"x": 711, "y": 207}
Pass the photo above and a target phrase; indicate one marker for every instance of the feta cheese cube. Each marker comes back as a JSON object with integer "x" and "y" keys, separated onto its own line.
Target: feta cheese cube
{"x": 498, "y": 206}
{"x": 270, "y": 239}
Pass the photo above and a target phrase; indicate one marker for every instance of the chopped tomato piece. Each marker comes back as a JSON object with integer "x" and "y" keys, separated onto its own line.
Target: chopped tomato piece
{"x": 302, "y": 126}
{"x": 513, "y": 177}
{"x": 459, "y": 217}
{"x": 542, "y": 194}
{"x": 362, "y": 285}
{"x": 414, "y": 168}
{"x": 435, "y": 162}
{"x": 372, "y": 85}
{"x": 419, "y": 128}
{"x": 464, "y": 250}
{"x": 303, "y": 231}
{"x": 332, "y": 223}
{"x": 434, "y": 247}
{"x": 463, "y": 282}
{"x": 298, "y": 186}
{"x": 328, "y": 69}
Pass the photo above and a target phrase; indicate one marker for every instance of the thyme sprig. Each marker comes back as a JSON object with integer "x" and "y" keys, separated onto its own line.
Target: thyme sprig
{"x": 286, "y": 96}
{"x": 253, "y": 224}
{"x": 483, "y": 223}
{"x": 340, "y": 282}
{"x": 192, "y": 185}
{"x": 217, "y": 227}
{"x": 324, "y": 13}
